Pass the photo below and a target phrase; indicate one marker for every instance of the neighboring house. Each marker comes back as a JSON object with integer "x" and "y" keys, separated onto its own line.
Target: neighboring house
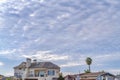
{"x": 8, "y": 78}
{"x": 1, "y": 76}
{"x": 91, "y": 76}
{"x": 97, "y": 76}
{"x": 70, "y": 77}
{"x": 36, "y": 70}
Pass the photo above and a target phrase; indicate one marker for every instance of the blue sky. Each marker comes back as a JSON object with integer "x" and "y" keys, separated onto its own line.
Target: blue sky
{"x": 61, "y": 31}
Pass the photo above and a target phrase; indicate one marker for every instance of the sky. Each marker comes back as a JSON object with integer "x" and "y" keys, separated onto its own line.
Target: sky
{"x": 64, "y": 32}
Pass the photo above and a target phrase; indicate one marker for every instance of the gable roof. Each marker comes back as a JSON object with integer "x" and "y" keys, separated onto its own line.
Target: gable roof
{"x": 88, "y": 76}
{"x": 22, "y": 65}
{"x": 70, "y": 77}
{"x": 48, "y": 65}
{"x": 95, "y": 74}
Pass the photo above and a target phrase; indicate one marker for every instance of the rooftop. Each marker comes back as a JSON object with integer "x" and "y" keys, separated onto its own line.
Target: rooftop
{"x": 48, "y": 65}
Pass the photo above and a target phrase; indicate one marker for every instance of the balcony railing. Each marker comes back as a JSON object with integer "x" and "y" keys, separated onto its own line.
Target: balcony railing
{"x": 35, "y": 75}
{"x": 17, "y": 75}
{"x": 31, "y": 75}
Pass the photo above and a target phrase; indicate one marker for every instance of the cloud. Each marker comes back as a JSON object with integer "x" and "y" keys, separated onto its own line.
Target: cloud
{"x": 68, "y": 73}
{"x": 3, "y": 1}
{"x": 107, "y": 57}
{"x": 1, "y": 63}
{"x": 11, "y": 54}
{"x": 7, "y": 52}
{"x": 98, "y": 60}
{"x": 66, "y": 15}
{"x": 114, "y": 71}
{"x": 46, "y": 56}
{"x": 72, "y": 64}
{"x": 10, "y": 73}
{"x": 71, "y": 27}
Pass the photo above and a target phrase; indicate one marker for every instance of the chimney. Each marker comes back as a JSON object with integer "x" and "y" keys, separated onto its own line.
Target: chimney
{"x": 28, "y": 62}
{"x": 35, "y": 61}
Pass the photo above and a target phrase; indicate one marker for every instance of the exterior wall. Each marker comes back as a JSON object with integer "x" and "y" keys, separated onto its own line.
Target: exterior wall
{"x": 107, "y": 77}
{"x": 32, "y": 74}
{"x": 28, "y": 60}
{"x": 19, "y": 73}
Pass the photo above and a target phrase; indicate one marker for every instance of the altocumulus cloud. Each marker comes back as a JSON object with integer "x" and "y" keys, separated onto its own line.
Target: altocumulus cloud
{"x": 61, "y": 30}
{"x": 46, "y": 56}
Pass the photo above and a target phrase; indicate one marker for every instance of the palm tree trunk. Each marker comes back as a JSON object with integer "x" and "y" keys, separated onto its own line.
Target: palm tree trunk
{"x": 89, "y": 68}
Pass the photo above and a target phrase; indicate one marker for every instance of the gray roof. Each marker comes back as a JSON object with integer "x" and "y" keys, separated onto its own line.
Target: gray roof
{"x": 22, "y": 65}
{"x": 48, "y": 65}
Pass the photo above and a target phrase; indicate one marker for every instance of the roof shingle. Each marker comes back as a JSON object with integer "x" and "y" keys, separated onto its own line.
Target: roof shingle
{"x": 48, "y": 65}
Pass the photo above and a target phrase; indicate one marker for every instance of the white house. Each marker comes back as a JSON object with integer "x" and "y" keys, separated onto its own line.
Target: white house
{"x": 33, "y": 70}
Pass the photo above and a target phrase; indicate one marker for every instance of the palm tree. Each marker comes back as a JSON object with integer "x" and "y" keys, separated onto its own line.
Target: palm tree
{"x": 89, "y": 62}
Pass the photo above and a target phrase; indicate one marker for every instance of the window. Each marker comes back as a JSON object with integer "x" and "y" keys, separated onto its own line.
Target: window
{"x": 36, "y": 74}
{"x": 51, "y": 72}
{"x": 41, "y": 73}
{"x": 31, "y": 74}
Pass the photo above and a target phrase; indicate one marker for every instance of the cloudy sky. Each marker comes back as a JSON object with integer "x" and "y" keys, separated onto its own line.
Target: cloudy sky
{"x": 61, "y": 31}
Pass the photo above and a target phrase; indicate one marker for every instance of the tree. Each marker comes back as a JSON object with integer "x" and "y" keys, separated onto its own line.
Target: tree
{"x": 8, "y": 78}
{"x": 89, "y": 62}
{"x": 60, "y": 77}
{"x": 87, "y": 71}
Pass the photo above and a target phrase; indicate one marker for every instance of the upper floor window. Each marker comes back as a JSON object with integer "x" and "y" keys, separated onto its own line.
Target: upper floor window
{"x": 41, "y": 73}
{"x": 51, "y": 72}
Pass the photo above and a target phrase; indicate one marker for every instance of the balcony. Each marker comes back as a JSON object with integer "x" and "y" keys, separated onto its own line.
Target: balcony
{"x": 17, "y": 75}
{"x": 31, "y": 75}
{"x": 36, "y": 75}
{"x": 41, "y": 73}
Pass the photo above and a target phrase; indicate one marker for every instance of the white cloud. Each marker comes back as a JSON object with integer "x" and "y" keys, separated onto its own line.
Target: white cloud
{"x": 1, "y": 63}
{"x": 72, "y": 64}
{"x": 7, "y": 52}
{"x": 1, "y": 1}
{"x": 47, "y": 56}
{"x": 63, "y": 16}
{"x": 11, "y": 73}
{"x": 68, "y": 73}
{"x": 25, "y": 28}
{"x": 41, "y": 1}
{"x": 107, "y": 57}
{"x": 113, "y": 71}
{"x": 113, "y": 2}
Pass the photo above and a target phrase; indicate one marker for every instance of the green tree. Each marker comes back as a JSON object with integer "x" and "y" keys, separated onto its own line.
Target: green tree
{"x": 87, "y": 71}
{"x": 60, "y": 77}
{"x": 8, "y": 78}
{"x": 89, "y": 62}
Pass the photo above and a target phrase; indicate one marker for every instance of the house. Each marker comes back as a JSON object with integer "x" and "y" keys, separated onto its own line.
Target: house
{"x": 91, "y": 76}
{"x": 33, "y": 70}
{"x": 8, "y": 78}
{"x": 70, "y": 77}
{"x": 97, "y": 76}
{"x": 1, "y": 76}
